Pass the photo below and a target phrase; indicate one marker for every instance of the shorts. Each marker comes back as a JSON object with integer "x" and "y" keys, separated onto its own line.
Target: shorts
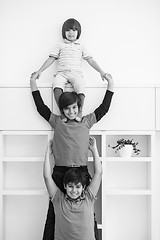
{"x": 74, "y": 78}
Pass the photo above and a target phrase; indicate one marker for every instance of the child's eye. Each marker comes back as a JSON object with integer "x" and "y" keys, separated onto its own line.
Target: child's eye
{"x": 78, "y": 186}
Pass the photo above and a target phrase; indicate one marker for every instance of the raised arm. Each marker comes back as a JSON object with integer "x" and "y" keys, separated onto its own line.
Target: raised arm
{"x": 96, "y": 180}
{"x": 47, "y": 172}
{"x": 105, "y": 105}
{"x": 95, "y": 65}
{"x": 43, "y": 110}
{"x": 45, "y": 65}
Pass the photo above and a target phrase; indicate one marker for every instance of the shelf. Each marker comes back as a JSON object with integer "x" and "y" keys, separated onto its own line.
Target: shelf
{"x": 23, "y": 175}
{"x": 128, "y": 192}
{"x": 23, "y": 159}
{"x": 24, "y": 192}
{"x": 127, "y": 159}
{"x": 127, "y": 184}
{"x": 24, "y": 145}
{"x": 129, "y": 214}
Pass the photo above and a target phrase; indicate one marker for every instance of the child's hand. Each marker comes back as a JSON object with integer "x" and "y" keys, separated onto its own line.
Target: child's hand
{"x": 102, "y": 75}
{"x": 38, "y": 73}
{"x": 92, "y": 143}
{"x": 110, "y": 81}
{"x": 107, "y": 77}
{"x": 33, "y": 76}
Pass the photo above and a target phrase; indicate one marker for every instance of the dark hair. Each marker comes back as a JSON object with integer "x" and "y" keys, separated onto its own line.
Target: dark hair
{"x": 68, "y": 98}
{"x": 75, "y": 175}
{"x": 71, "y": 23}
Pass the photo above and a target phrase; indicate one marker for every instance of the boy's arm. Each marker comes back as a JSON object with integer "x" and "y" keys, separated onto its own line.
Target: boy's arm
{"x": 45, "y": 65}
{"x": 105, "y": 105}
{"x": 95, "y": 65}
{"x": 47, "y": 172}
{"x": 43, "y": 110}
{"x": 96, "y": 180}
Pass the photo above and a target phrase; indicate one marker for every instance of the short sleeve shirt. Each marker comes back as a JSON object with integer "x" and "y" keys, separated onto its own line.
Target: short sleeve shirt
{"x": 70, "y": 141}
{"x": 70, "y": 55}
{"x": 74, "y": 220}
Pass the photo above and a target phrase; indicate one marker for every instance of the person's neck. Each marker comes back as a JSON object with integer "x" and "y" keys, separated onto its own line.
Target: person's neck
{"x": 71, "y": 120}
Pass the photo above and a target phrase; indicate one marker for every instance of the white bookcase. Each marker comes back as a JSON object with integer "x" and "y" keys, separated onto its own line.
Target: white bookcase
{"x": 126, "y": 192}
{"x": 23, "y": 195}
{"x": 125, "y": 207}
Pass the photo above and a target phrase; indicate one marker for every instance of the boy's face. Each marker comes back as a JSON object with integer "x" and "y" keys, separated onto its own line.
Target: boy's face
{"x": 74, "y": 190}
{"x": 71, "y": 111}
{"x": 71, "y": 35}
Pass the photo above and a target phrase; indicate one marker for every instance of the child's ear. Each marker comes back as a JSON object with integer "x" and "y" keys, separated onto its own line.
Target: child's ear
{"x": 64, "y": 186}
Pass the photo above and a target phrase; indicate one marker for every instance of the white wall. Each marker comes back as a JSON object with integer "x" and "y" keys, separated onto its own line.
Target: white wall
{"x": 122, "y": 35}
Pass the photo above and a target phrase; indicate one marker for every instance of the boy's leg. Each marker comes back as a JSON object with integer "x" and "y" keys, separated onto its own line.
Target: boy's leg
{"x": 59, "y": 84}
{"x": 48, "y": 233}
{"x": 95, "y": 228}
{"x": 79, "y": 117}
{"x": 77, "y": 81}
{"x": 82, "y": 97}
{"x": 57, "y": 93}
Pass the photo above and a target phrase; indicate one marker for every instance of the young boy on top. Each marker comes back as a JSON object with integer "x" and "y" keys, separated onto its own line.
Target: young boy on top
{"x": 69, "y": 55}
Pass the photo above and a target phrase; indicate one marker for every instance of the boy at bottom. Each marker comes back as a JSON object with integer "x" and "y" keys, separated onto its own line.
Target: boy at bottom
{"x": 74, "y": 210}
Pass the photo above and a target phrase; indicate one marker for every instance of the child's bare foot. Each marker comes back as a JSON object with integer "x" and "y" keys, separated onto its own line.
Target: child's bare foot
{"x": 78, "y": 119}
{"x": 79, "y": 116}
{"x": 64, "y": 119}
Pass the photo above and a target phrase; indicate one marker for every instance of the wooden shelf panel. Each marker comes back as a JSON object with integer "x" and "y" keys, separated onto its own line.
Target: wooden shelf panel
{"x": 24, "y": 192}
{"x": 138, "y": 192}
{"x": 23, "y": 159}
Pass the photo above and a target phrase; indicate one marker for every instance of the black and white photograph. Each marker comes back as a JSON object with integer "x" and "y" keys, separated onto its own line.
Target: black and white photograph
{"x": 79, "y": 120}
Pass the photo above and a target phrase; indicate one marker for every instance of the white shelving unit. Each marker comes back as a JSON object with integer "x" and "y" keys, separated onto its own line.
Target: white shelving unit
{"x": 126, "y": 186}
{"x": 125, "y": 208}
{"x": 22, "y": 182}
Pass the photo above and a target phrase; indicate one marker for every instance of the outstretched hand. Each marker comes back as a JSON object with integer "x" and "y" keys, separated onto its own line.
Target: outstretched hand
{"x": 38, "y": 74}
{"x": 92, "y": 143}
{"x": 33, "y": 76}
{"x": 33, "y": 83}
{"x": 106, "y": 76}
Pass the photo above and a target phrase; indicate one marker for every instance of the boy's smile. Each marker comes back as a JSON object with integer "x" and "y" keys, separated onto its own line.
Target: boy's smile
{"x": 71, "y": 111}
{"x": 73, "y": 190}
{"x": 71, "y": 35}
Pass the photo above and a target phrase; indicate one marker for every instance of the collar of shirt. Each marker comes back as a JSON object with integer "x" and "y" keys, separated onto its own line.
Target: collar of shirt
{"x": 69, "y": 42}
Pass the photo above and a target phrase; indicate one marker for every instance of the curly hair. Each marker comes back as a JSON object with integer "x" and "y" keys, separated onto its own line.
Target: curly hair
{"x": 75, "y": 175}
